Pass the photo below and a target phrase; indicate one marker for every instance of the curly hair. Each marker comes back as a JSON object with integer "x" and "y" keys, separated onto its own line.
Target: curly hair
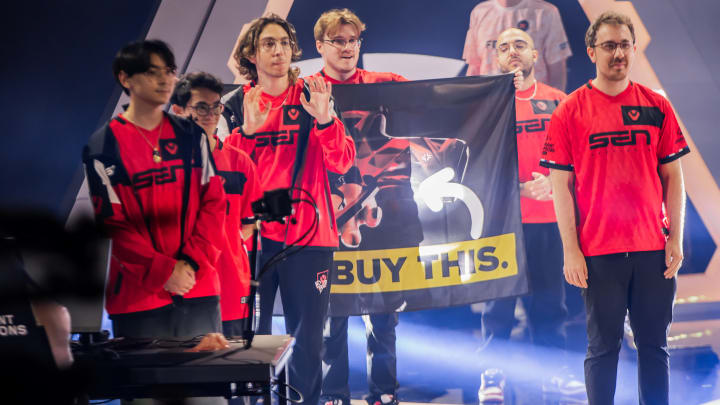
{"x": 611, "y": 18}
{"x": 248, "y": 46}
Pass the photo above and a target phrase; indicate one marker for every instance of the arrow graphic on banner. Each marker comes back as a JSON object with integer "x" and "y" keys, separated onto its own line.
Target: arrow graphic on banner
{"x": 433, "y": 189}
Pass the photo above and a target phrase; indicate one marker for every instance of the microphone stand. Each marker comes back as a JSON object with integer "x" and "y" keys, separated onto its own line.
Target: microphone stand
{"x": 249, "y": 324}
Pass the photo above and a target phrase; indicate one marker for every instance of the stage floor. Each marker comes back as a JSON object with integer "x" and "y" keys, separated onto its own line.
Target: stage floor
{"x": 440, "y": 362}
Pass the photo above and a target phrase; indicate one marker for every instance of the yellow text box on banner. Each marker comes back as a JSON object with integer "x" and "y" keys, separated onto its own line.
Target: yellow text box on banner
{"x": 449, "y": 264}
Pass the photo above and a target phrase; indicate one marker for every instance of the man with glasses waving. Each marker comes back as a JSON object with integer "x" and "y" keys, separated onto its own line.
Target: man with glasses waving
{"x": 290, "y": 129}
{"x": 338, "y": 39}
{"x": 197, "y": 96}
{"x": 154, "y": 189}
{"x": 613, "y": 150}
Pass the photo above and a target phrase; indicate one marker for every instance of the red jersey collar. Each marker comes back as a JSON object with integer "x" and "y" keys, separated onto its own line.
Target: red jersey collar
{"x": 627, "y": 90}
{"x": 350, "y": 80}
{"x": 282, "y": 95}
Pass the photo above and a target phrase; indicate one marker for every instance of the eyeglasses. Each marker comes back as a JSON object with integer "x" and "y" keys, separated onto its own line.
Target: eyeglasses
{"x": 611, "y": 46}
{"x": 519, "y": 46}
{"x": 160, "y": 73}
{"x": 341, "y": 43}
{"x": 269, "y": 44}
{"x": 202, "y": 109}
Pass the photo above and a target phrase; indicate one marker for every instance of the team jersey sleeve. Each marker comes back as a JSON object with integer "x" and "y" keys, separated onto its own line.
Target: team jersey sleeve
{"x": 672, "y": 144}
{"x": 117, "y": 211}
{"x": 556, "y": 153}
{"x": 201, "y": 247}
{"x": 237, "y": 140}
{"x": 555, "y": 46}
{"x": 337, "y": 144}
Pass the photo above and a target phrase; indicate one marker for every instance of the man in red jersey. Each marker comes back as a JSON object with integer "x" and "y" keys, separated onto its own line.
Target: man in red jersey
{"x": 197, "y": 96}
{"x": 545, "y": 307}
{"x": 154, "y": 189}
{"x": 289, "y": 128}
{"x": 613, "y": 149}
{"x": 337, "y": 38}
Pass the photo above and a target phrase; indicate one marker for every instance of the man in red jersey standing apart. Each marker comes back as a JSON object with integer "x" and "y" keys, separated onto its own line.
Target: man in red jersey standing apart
{"x": 545, "y": 307}
{"x": 197, "y": 96}
{"x": 154, "y": 189}
{"x": 338, "y": 39}
{"x": 613, "y": 149}
{"x": 289, "y": 128}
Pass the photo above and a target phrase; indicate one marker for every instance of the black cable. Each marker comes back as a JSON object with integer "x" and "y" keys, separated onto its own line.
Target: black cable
{"x": 287, "y": 252}
{"x": 313, "y": 227}
{"x": 279, "y": 383}
{"x": 101, "y": 402}
{"x": 283, "y": 254}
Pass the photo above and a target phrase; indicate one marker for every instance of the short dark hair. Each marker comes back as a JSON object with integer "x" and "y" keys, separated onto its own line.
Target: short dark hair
{"x": 248, "y": 46}
{"x": 191, "y": 81}
{"x": 135, "y": 57}
{"x": 610, "y": 18}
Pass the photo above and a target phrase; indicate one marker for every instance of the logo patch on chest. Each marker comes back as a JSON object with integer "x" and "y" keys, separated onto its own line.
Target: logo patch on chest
{"x": 543, "y": 106}
{"x": 291, "y": 115}
{"x": 639, "y": 115}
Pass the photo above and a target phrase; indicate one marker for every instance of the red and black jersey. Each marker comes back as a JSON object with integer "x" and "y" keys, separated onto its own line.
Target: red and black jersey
{"x": 274, "y": 149}
{"x": 156, "y": 213}
{"x": 532, "y": 119}
{"x": 615, "y": 145}
{"x": 241, "y": 186}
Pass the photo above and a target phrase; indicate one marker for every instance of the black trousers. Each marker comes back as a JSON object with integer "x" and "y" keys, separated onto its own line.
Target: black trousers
{"x": 184, "y": 318}
{"x": 545, "y": 305}
{"x": 304, "y": 282}
{"x": 381, "y": 357}
{"x": 631, "y": 283}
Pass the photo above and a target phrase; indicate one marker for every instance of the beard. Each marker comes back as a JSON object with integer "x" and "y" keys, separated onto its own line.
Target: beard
{"x": 615, "y": 75}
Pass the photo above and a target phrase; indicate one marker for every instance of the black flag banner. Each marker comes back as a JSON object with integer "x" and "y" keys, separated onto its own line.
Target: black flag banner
{"x": 429, "y": 215}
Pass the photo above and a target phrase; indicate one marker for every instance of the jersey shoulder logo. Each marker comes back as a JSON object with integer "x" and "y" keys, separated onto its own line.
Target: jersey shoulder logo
{"x": 641, "y": 115}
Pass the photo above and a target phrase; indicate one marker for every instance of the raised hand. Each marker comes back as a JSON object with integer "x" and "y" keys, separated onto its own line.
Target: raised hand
{"x": 319, "y": 104}
{"x": 253, "y": 115}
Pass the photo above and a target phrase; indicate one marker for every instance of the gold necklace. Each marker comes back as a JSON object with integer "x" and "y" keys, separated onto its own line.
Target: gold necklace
{"x": 531, "y": 97}
{"x": 156, "y": 157}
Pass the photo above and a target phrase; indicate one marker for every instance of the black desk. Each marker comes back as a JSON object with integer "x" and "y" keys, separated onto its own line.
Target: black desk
{"x": 163, "y": 373}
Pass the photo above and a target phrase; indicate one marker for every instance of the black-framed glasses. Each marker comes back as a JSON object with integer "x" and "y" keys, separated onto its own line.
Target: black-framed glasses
{"x": 202, "y": 109}
{"x": 519, "y": 46}
{"x": 612, "y": 46}
{"x": 269, "y": 44}
{"x": 341, "y": 43}
{"x": 160, "y": 72}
